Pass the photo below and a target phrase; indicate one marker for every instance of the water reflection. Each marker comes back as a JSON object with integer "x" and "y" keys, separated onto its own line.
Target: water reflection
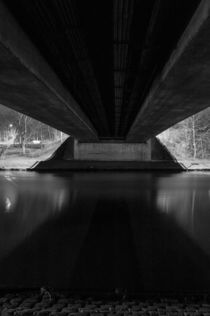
{"x": 185, "y": 198}
{"x": 25, "y": 204}
{"x": 101, "y": 231}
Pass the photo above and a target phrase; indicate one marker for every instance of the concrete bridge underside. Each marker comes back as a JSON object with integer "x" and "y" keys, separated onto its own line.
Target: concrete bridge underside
{"x": 120, "y": 70}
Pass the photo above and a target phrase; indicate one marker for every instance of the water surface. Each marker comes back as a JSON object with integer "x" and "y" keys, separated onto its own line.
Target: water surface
{"x": 142, "y": 232}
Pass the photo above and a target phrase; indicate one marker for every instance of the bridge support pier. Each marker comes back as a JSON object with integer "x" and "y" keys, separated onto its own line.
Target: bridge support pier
{"x": 110, "y": 155}
{"x": 112, "y": 151}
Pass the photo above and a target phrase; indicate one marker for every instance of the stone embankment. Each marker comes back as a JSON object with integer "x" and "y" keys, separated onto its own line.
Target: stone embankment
{"x": 45, "y": 303}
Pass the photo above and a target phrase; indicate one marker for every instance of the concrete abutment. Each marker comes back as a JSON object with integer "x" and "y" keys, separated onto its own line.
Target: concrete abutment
{"x": 110, "y": 155}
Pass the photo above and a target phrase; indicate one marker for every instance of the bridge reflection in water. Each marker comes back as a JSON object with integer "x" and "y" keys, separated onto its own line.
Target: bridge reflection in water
{"x": 143, "y": 232}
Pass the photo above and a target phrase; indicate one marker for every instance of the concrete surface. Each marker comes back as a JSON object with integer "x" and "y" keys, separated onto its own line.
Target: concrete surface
{"x": 181, "y": 89}
{"x": 85, "y": 165}
{"x": 29, "y": 85}
{"x": 112, "y": 151}
{"x": 110, "y": 156}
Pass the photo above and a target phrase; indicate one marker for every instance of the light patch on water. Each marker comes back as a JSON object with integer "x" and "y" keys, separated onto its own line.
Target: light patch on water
{"x": 8, "y": 205}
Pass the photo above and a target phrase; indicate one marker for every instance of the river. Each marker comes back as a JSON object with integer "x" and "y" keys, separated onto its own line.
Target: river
{"x": 102, "y": 231}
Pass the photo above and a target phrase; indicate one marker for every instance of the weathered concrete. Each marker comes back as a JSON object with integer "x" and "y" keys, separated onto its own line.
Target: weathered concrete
{"x": 65, "y": 151}
{"x": 28, "y": 84}
{"x": 183, "y": 87}
{"x": 112, "y": 151}
{"x": 73, "y": 155}
{"x": 159, "y": 151}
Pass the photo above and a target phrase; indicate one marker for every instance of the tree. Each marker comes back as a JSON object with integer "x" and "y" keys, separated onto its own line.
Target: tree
{"x": 190, "y": 138}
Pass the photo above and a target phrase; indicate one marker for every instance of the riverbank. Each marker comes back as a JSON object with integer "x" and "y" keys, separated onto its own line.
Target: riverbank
{"x": 197, "y": 164}
{"x": 14, "y": 159}
{"x": 21, "y": 162}
{"x": 36, "y": 303}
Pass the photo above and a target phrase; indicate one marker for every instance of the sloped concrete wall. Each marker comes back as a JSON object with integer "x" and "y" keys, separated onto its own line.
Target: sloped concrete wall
{"x": 159, "y": 151}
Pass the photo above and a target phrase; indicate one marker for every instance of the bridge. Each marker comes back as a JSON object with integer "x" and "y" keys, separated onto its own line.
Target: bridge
{"x": 108, "y": 72}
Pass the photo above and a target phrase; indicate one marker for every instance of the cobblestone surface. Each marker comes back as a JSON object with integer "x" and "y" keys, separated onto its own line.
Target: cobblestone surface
{"x": 44, "y": 304}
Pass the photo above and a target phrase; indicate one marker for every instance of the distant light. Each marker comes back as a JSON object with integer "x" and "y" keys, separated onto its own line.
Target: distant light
{"x": 10, "y": 125}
